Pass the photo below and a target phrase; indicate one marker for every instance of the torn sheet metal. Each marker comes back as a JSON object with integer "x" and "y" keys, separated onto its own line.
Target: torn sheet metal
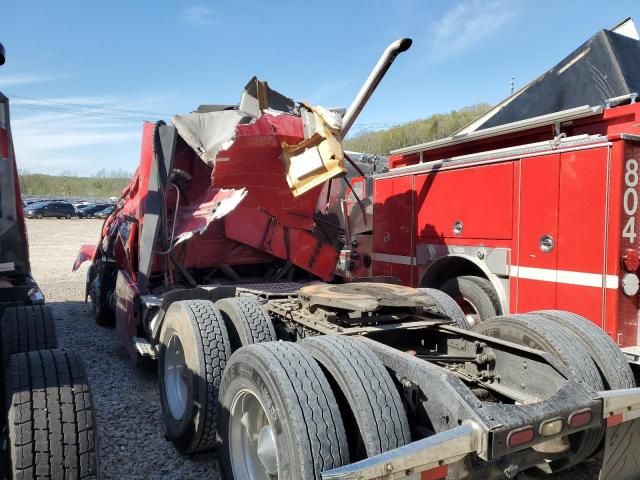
{"x": 213, "y": 128}
{"x": 258, "y": 97}
{"x": 87, "y": 252}
{"x": 319, "y": 157}
{"x": 314, "y": 160}
{"x": 196, "y": 219}
{"x": 207, "y": 133}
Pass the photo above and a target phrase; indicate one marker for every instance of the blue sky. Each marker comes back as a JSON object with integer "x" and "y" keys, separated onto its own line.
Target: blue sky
{"x": 135, "y": 60}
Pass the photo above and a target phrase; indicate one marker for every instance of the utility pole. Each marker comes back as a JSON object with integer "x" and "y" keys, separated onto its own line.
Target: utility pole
{"x": 513, "y": 84}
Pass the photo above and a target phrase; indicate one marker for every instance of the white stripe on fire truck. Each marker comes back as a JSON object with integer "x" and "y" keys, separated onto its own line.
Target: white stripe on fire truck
{"x": 564, "y": 276}
{"x": 401, "y": 259}
{"x": 568, "y": 277}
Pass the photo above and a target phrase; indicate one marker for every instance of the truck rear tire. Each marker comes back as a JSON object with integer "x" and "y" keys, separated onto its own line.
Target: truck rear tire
{"x": 247, "y": 321}
{"x": 51, "y": 421}
{"x": 194, "y": 349}
{"x": 447, "y": 306}
{"x": 475, "y": 295}
{"x": 536, "y": 331}
{"x": 370, "y": 405}
{"x": 27, "y": 328}
{"x": 607, "y": 356}
{"x": 99, "y": 293}
{"x": 276, "y": 393}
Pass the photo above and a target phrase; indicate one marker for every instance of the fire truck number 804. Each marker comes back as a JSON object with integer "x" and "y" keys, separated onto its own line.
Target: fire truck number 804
{"x": 630, "y": 199}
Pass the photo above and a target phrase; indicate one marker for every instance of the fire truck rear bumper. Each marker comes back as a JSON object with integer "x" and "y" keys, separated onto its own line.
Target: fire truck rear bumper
{"x": 437, "y": 451}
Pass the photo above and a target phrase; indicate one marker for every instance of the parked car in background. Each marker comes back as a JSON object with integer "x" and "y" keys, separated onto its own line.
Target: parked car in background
{"x": 50, "y": 209}
{"x": 105, "y": 212}
{"x": 90, "y": 210}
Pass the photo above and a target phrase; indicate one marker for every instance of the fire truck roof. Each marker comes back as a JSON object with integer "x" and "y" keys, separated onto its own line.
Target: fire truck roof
{"x": 602, "y": 71}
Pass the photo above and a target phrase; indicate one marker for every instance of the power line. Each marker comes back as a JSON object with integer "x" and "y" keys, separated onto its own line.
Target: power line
{"x": 83, "y": 109}
{"x": 99, "y": 111}
{"x": 88, "y": 105}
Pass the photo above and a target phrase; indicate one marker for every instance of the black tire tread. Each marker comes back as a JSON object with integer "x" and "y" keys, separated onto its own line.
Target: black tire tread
{"x": 247, "y": 320}
{"x": 452, "y": 287}
{"x": 606, "y": 354}
{"x": 447, "y": 306}
{"x": 621, "y": 453}
{"x": 52, "y": 429}
{"x": 27, "y": 328}
{"x": 310, "y": 402}
{"x": 102, "y": 313}
{"x": 214, "y": 340}
{"x": 368, "y": 388}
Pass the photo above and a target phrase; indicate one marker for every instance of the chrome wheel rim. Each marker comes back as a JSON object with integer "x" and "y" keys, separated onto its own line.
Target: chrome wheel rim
{"x": 252, "y": 444}
{"x": 471, "y": 313}
{"x": 175, "y": 378}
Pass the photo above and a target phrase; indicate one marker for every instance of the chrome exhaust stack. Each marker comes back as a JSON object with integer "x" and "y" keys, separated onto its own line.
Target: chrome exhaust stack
{"x": 379, "y": 71}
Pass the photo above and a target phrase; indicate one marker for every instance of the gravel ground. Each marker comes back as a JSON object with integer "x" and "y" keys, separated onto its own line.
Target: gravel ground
{"x": 127, "y": 402}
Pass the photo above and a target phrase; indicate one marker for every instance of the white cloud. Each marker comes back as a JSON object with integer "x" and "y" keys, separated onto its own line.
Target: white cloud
{"x": 82, "y": 141}
{"x": 198, "y": 15}
{"x": 468, "y": 23}
{"x": 23, "y": 79}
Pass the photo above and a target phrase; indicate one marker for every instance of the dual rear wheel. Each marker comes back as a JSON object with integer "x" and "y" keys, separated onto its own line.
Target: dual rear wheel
{"x": 285, "y": 410}
{"x": 281, "y": 410}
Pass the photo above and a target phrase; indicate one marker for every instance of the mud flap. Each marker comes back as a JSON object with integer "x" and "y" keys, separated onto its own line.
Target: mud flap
{"x": 621, "y": 454}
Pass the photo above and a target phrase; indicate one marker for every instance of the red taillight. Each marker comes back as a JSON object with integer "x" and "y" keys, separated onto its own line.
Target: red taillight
{"x": 581, "y": 418}
{"x": 438, "y": 473}
{"x": 615, "y": 420}
{"x": 520, "y": 436}
{"x": 4, "y": 143}
{"x": 631, "y": 260}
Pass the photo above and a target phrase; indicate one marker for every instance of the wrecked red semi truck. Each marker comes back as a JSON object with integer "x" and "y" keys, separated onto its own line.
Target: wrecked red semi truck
{"x": 220, "y": 262}
{"x": 47, "y": 423}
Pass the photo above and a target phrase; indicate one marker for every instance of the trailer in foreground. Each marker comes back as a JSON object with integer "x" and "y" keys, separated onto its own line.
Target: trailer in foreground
{"x": 47, "y": 421}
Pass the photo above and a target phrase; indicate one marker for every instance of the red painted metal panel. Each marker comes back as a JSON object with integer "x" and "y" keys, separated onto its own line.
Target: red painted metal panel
{"x": 382, "y": 214}
{"x": 393, "y": 231}
{"x": 581, "y": 229}
{"x": 539, "y": 189}
{"x": 401, "y": 206}
{"x": 625, "y": 232}
{"x": 126, "y": 321}
{"x": 479, "y": 197}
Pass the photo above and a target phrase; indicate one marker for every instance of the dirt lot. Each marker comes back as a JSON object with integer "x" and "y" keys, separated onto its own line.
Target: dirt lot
{"x": 131, "y": 434}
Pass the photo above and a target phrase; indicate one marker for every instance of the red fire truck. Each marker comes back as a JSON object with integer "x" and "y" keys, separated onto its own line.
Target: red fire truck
{"x": 532, "y": 206}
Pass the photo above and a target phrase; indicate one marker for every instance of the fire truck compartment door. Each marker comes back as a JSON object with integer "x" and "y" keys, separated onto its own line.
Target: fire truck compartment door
{"x": 468, "y": 204}
{"x": 581, "y": 232}
{"x": 537, "y": 257}
{"x": 393, "y": 229}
